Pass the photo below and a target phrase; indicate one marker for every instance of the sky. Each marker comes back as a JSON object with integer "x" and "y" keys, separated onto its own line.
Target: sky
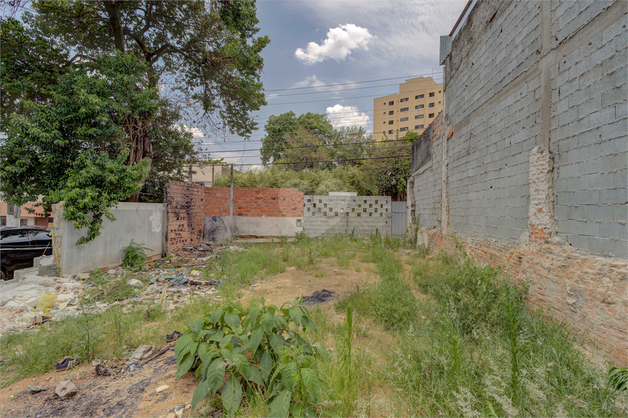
{"x": 321, "y": 42}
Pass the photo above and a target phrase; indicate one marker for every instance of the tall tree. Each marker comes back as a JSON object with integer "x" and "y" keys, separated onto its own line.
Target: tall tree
{"x": 205, "y": 51}
{"x": 75, "y": 146}
{"x": 29, "y": 64}
{"x": 280, "y": 128}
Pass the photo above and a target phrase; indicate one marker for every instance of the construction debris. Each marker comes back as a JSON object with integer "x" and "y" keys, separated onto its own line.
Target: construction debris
{"x": 65, "y": 389}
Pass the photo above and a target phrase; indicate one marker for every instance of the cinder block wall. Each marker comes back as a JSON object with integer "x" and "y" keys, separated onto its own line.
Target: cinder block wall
{"x": 360, "y": 215}
{"x": 534, "y": 153}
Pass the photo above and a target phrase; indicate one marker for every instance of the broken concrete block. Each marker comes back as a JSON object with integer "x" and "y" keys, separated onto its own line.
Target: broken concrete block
{"x": 65, "y": 389}
{"x": 141, "y": 352}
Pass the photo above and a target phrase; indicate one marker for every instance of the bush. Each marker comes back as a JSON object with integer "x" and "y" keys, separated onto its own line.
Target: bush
{"x": 259, "y": 350}
{"x": 134, "y": 256}
{"x": 331, "y": 185}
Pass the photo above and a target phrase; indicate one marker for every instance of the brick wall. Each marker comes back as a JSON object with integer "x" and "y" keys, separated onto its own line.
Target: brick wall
{"x": 250, "y": 201}
{"x": 532, "y": 156}
{"x": 189, "y": 204}
{"x": 185, "y": 214}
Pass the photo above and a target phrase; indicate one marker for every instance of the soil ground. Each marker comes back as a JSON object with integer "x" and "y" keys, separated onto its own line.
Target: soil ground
{"x": 132, "y": 394}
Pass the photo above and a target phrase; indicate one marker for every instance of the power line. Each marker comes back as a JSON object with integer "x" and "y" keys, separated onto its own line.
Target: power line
{"x": 314, "y": 146}
{"x": 333, "y": 91}
{"x": 354, "y": 82}
{"x": 328, "y": 161}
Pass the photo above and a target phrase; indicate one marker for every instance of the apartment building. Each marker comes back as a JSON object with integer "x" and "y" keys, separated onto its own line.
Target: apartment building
{"x": 413, "y": 109}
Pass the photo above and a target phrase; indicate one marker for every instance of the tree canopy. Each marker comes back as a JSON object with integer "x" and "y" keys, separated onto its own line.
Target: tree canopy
{"x": 95, "y": 95}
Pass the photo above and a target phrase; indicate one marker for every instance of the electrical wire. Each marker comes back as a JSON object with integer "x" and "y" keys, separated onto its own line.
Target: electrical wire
{"x": 314, "y": 146}
{"x": 432, "y": 74}
{"x": 322, "y": 161}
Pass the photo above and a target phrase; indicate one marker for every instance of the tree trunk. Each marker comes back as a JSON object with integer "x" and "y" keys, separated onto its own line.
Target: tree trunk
{"x": 113, "y": 10}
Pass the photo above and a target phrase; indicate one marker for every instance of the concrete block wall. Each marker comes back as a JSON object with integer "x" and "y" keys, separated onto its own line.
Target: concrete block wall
{"x": 360, "y": 215}
{"x": 495, "y": 115}
{"x": 426, "y": 186}
{"x": 143, "y": 223}
{"x": 185, "y": 203}
{"x": 589, "y": 127}
{"x": 535, "y": 147}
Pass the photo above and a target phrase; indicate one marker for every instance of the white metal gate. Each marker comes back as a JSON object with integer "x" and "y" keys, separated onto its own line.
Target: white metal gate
{"x": 399, "y": 221}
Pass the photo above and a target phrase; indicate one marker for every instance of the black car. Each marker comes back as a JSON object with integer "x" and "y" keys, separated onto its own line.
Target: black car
{"x": 19, "y": 245}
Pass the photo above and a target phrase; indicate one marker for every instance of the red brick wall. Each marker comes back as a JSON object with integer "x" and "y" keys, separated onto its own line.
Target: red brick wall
{"x": 188, "y": 204}
{"x": 250, "y": 201}
{"x": 185, "y": 210}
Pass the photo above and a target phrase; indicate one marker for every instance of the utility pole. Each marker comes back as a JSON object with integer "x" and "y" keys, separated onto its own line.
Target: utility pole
{"x": 213, "y": 174}
{"x": 231, "y": 194}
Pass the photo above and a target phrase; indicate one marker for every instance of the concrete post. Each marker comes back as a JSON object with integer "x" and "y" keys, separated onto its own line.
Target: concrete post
{"x": 13, "y": 215}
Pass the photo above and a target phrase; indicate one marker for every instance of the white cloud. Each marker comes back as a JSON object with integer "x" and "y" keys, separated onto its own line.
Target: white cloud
{"x": 406, "y": 33}
{"x": 310, "y": 81}
{"x": 271, "y": 96}
{"x": 196, "y": 133}
{"x": 344, "y": 116}
{"x": 338, "y": 45}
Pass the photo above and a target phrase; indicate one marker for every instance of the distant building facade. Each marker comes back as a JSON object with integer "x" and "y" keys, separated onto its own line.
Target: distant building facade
{"x": 415, "y": 106}
{"x": 205, "y": 174}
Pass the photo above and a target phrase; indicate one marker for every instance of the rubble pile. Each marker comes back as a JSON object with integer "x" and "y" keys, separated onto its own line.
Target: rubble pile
{"x": 172, "y": 281}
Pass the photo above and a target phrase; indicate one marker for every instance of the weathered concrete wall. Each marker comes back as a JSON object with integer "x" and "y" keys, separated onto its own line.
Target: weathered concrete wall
{"x": 142, "y": 222}
{"x": 426, "y": 186}
{"x": 534, "y": 155}
{"x": 360, "y": 215}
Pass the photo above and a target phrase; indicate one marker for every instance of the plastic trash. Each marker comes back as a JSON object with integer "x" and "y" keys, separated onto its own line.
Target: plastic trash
{"x": 46, "y": 302}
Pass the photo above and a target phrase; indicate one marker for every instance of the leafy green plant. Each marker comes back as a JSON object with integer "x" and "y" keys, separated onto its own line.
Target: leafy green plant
{"x": 134, "y": 256}
{"x": 253, "y": 349}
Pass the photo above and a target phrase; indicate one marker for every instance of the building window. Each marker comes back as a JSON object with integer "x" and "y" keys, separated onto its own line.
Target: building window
{"x": 392, "y": 112}
{"x": 439, "y": 91}
{"x": 391, "y": 103}
{"x": 384, "y": 122}
{"x": 439, "y": 102}
{"x": 384, "y": 113}
{"x": 420, "y": 96}
{"x": 419, "y": 116}
{"x": 404, "y": 109}
{"x": 403, "y": 120}
{"x": 391, "y": 132}
{"x": 390, "y": 122}
{"x": 432, "y": 94}
{"x": 384, "y": 103}
{"x": 405, "y": 99}
{"x": 3, "y": 221}
{"x": 23, "y": 222}
{"x": 403, "y": 129}
{"x": 419, "y": 107}
{"x": 418, "y": 127}
{"x": 384, "y": 132}
{"x": 430, "y": 105}
{"x": 431, "y": 115}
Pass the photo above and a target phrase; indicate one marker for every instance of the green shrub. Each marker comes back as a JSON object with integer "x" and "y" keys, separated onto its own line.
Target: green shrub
{"x": 134, "y": 256}
{"x": 259, "y": 349}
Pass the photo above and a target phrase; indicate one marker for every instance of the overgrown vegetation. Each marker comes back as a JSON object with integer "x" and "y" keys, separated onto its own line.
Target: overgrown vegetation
{"x": 438, "y": 335}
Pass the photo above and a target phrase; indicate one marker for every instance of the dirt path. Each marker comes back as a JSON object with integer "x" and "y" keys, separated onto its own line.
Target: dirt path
{"x": 288, "y": 286}
{"x": 123, "y": 394}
